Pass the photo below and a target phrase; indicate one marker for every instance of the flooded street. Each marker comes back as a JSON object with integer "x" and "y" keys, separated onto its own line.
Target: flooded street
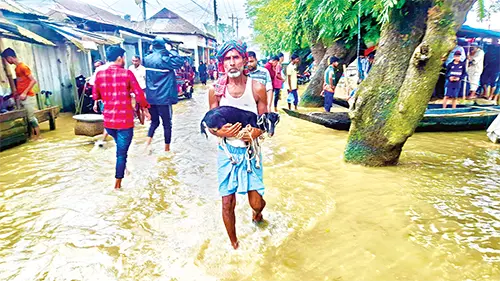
{"x": 434, "y": 217}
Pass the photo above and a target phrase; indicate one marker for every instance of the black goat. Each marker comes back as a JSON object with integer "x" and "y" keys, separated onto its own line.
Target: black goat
{"x": 222, "y": 115}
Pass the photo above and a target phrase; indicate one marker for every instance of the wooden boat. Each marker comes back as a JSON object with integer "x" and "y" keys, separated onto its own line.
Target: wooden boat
{"x": 435, "y": 120}
{"x": 435, "y": 105}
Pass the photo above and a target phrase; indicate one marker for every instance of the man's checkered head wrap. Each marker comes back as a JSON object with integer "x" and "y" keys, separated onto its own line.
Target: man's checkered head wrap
{"x": 240, "y": 47}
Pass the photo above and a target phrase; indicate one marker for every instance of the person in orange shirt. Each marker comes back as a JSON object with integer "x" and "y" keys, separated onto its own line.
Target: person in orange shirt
{"x": 24, "y": 88}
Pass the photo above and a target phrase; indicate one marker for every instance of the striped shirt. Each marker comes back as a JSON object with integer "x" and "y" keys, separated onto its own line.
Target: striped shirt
{"x": 262, "y": 75}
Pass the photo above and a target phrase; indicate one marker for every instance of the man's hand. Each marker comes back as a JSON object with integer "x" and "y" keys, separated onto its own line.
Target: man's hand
{"x": 228, "y": 130}
{"x": 147, "y": 115}
{"x": 255, "y": 133}
{"x": 23, "y": 96}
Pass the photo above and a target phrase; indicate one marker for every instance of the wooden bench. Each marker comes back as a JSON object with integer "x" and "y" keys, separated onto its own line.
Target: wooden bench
{"x": 13, "y": 129}
{"x": 48, "y": 114}
{"x": 14, "y": 125}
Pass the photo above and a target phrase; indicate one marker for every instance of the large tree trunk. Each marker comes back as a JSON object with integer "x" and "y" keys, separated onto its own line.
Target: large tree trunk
{"x": 392, "y": 100}
{"x": 318, "y": 50}
{"x": 312, "y": 96}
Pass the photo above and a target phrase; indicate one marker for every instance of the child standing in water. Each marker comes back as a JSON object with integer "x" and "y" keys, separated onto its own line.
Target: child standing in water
{"x": 455, "y": 73}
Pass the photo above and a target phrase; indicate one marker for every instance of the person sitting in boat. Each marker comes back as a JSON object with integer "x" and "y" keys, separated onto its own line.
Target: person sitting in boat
{"x": 455, "y": 73}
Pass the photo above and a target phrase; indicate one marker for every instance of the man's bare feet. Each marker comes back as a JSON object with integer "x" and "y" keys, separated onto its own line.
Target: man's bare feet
{"x": 257, "y": 218}
{"x": 235, "y": 245}
{"x": 167, "y": 147}
{"x": 118, "y": 183}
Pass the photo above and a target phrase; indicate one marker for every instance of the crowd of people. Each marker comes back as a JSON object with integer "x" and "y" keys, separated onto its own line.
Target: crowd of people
{"x": 473, "y": 72}
{"x": 239, "y": 82}
{"x": 150, "y": 88}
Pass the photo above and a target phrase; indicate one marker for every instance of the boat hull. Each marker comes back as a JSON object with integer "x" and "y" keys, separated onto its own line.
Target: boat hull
{"x": 435, "y": 120}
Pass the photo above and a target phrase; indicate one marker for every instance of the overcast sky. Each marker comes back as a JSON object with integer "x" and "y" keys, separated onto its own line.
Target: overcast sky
{"x": 201, "y": 11}
{"x": 195, "y": 11}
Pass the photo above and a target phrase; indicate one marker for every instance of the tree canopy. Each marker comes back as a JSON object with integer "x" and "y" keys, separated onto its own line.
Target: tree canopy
{"x": 289, "y": 25}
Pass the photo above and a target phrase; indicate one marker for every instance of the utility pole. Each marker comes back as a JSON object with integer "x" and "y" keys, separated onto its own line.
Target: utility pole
{"x": 232, "y": 17}
{"x": 215, "y": 19}
{"x": 237, "y": 27}
{"x": 144, "y": 15}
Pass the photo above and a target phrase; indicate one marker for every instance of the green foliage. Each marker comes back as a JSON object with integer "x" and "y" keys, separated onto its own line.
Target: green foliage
{"x": 289, "y": 25}
{"x": 294, "y": 24}
{"x": 484, "y": 11}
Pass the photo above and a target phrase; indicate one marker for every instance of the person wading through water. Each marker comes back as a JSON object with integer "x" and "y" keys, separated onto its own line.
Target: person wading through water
{"x": 23, "y": 92}
{"x": 240, "y": 91}
{"x": 113, "y": 86}
{"x": 161, "y": 88}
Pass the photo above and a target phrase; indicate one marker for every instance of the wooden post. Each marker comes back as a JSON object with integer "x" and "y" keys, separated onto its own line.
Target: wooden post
{"x": 52, "y": 119}
{"x": 71, "y": 70}
{"x": 91, "y": 63}
{"x": 140, "y": 48}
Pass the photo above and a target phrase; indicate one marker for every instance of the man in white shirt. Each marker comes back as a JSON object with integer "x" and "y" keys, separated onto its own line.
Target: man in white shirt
{"x": 476, "y": 65}
{"x": 99, "y": 65}
{"x": 292, "y": 85}
{"x": 139, "y": 71}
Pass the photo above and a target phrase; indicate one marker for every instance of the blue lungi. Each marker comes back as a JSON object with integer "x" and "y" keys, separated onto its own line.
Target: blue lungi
{"x": 235, "y": 178}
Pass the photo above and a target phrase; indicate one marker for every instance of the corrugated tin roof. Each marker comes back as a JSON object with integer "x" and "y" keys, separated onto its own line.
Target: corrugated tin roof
{"x": 166, "y": 21}
{"x": 79, "y": 37}
{"x": 79, "y": 9}
{"x": 23, "y": 32}
{"x": 16, "y": 7}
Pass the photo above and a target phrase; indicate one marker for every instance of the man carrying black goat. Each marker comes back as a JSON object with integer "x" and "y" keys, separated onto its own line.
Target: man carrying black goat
{"x": 240, "y": 91}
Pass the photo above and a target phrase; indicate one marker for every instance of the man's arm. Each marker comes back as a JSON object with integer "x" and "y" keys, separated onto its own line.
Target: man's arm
{"x": 171, "y": 60}
{"x": 140, "y": 98}
{"x": 260, "y": 95}
{"x": 136, "y": 89}
{"x": 213, "y": 100}
{"x": 288, "y": 71}
{"x": 96, "y": 91}
{"x": 27, "y": 73}
{"x": 29, "y": 88}
{"x": 480, "y": 59}
{"x": 269, "y": 88}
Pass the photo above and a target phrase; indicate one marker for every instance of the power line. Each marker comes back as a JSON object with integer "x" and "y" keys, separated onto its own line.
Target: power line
{"x": 196, "y": 3}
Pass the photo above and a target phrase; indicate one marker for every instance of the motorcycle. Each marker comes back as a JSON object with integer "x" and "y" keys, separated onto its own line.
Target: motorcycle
{"x": 186, "y": 89}
{"x": 303, "y": 78}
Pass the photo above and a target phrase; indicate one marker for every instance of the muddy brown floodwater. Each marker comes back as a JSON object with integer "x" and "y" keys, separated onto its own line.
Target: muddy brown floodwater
{"x": 434, "y": 217}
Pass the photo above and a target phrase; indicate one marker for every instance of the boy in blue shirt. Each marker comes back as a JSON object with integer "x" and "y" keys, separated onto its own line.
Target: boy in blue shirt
{"x": 455, "y": 73}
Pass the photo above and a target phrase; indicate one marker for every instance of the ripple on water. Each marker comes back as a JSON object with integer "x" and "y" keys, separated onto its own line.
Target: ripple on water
{"x": 435, "y": 217}
{"x": 465, "y": 192}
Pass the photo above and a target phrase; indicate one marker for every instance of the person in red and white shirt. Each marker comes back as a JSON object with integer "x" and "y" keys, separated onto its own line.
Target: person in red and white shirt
{"x": 113, "y": 86}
